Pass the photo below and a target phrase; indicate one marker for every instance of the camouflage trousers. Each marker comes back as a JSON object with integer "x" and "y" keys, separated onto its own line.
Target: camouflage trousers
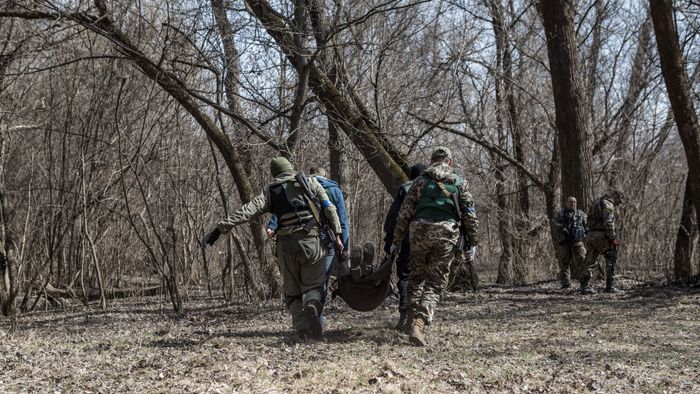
{"x": 301, "y": 259}
{"x": 571, "y": 259}
{"x": 432, "y": 251}
{"x": 597, "y": 243}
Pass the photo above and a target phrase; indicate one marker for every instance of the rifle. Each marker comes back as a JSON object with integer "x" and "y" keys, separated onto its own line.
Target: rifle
{"x": 463, "y": 244}
{"x": 318, "y": 213}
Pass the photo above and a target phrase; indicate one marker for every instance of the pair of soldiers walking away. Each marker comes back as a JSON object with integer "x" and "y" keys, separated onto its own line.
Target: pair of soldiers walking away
{"x": 597, "y": 229}
{"x": 301, "y": 256}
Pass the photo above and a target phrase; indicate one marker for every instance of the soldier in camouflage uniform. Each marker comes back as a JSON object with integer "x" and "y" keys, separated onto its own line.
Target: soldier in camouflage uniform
{"x": 403, "y": 268}
{"x": 602, "y": 239}
{"x": 430, "y": 211}
{"x": 570, "y": 224}
{"x": 300, "y": 254}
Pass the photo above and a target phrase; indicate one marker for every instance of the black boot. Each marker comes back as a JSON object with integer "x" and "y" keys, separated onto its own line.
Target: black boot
{"x": 402, "y": 320}
{"x": 586, "y": 288}
{"x": 312, "y": 310}
{"x": 609, "y": 286}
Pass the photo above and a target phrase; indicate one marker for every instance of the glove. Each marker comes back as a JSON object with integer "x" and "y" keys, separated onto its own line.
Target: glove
{"x": 388, "y": 240}
{"x": 613, "y": 243}
{"x": 470, "y": 253}
{"x": 210, "y": 238}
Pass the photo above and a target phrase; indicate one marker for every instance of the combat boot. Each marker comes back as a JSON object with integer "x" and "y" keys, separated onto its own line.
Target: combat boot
{"x": 312, "y": 310}
{"x": 402, "y": 321}
{"x": 610, "y": 287}
{"x": 586, "y": 288}
{"x": 408, "y": 324}
{"x": 356, "y": 262}
{"x": 565, "y": 286}
{"x": 417, "y": 335}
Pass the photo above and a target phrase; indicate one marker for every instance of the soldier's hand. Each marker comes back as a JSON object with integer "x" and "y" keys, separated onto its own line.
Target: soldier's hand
{"x": 270, "y": 232}
{"x": 470, "y": 253}
{"x": 339, "y": 242}
{"x": 210, "y": 238}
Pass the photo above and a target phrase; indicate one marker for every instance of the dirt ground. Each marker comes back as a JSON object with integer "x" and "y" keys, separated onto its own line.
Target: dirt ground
{"x": 529, "y": 339}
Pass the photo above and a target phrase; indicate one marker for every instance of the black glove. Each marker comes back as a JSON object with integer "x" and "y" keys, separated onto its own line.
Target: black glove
{"x": 210, "y": 238}
{"x": 388, "y": 240}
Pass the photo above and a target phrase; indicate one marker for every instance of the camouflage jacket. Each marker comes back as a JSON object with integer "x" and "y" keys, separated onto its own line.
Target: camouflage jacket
{"x": 601, "y": 217}
{"x": 576, "y": 225}
{"x": 261, "y": 204}
{"x": 439, "y": 173}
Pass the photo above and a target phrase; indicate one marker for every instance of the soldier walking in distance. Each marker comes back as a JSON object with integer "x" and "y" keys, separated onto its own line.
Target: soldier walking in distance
{"x": 570, "y": 224}
{"x": 300, "y": 254}
{"x": 402, "y": 260}
{"x": 429, "y": 209}
{"x": 601, "y": 240}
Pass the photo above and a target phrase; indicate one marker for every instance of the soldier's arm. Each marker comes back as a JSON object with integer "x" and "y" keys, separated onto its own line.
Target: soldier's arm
{"x": 609, "y": 220}
{"x": 407, "y": 211}
{"x": 258, "y": 205}
{"x": 558, "y": 221}
{"x": 584, "y": 222}
{"x": 328, "y": 207}
{"x": 390, "y": 220}
{"x": 468, "y": 211}
{"x": 337, "y": 196}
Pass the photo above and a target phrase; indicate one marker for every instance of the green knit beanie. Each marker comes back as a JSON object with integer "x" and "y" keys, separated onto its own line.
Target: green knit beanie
{"x": 279, "y": 165}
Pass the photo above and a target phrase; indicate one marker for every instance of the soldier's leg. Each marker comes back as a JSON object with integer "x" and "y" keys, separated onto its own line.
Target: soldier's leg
{"x": 311, "y": 258}
{"x": 402, "y": 272}
{"x": 329, "y": 259}
{"x": 610, "y": 261}
{"x": 565, "y": 268}
{"x": 578, "y": 256}
{"x": 442, "y": 253}
{"x": 418, "y": 266}
{"x": 290, "y": 271}
{"x": 596, "y": 244}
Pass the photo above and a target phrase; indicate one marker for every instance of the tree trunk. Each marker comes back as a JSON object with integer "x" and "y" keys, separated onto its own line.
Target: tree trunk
{"x": 686, "y": 238}
{"x": 572, "y": 123}
{"x": 679, "y": 91}
{"x": 241, "y": 176}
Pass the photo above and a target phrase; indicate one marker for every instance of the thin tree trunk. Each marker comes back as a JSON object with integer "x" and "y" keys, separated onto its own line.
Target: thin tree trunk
{"x": 686, "y": 238}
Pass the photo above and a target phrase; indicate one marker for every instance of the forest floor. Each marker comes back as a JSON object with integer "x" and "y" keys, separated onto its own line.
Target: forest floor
{"x": 528, "y": 339}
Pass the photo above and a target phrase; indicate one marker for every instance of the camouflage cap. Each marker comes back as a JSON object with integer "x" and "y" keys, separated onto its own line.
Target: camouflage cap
{"x": 441, "y": 152}
{"x": 618, "y": 194}
{"x": 279, "y": 165}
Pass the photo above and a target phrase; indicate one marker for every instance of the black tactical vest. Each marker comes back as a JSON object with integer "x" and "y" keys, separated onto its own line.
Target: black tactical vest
{"x": 289, "y": 205}
{"x": 573, "y": 222}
